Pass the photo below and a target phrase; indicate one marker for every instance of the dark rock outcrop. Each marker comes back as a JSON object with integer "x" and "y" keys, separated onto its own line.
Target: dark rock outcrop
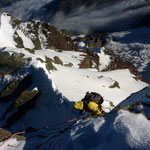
{"x": 25, "y": 97}
{"x": 10, "y": 63}
{"x": 90, "y": 58}
{"x": 41, "y": 34}
{"x": 23, "y": 103}
{"x": 68, "y": 65}
{"x": 116, "y": 84}
{"x": 13, "y": 89}
{"x": 49, "y": 64}
{"x": 93, "y": 40}
{"x": 4, "y": 135}
{"x": 118, "y": 63}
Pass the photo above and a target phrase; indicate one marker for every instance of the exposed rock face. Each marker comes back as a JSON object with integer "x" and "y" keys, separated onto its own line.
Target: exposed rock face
{"x": 22, "y": 104}
{"x": 21, "y": 99}
{"x": 25, "y": 97}
{"x": 118, "y": 63}
{"x": 137, "y": 108}
{"x": 91, "y": 60}
{"x": 39, "y": 35}
{"x": 91, "y": 40}
{"x": 10, "y": 63}
{"x": 14, "y": 88}
{"x": 116, "y": 84}
{"x": 4, "y": 135}
{"x": 58, "y": 60}
{"x": 49, "y": 64}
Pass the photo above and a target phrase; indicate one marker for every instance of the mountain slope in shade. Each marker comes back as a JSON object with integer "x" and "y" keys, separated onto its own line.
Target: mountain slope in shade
{"x": 132, "y": 45}
{"x": 54, "y": 80}
{"x": 126, "y": 128}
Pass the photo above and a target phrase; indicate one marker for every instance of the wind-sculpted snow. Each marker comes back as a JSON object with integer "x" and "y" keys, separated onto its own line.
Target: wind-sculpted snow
{"x": 121, "y": 129}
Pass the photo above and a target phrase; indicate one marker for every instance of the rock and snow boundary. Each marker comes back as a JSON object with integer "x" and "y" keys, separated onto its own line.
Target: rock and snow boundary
{"x": 60, "y": 86}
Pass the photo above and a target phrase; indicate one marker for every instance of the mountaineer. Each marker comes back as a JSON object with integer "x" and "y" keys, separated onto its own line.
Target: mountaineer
{"x": 91, "y": 103}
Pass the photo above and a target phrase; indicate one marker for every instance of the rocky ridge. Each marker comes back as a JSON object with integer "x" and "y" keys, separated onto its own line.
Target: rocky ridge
{"x": 19, "y": 94}
{"x": 38, "y": 35}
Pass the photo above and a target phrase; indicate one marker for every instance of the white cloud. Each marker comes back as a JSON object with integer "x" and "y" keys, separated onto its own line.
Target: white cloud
{"x": 114, "y": 17}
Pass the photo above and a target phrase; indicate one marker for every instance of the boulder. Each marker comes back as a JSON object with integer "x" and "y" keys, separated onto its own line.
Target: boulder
{"x": 25, "y": 97}
{"x": 57, "y": 60}
{"x": 115, "y": 85}
{"x": 40, "y": 59}
{"x": 68, "y": 65}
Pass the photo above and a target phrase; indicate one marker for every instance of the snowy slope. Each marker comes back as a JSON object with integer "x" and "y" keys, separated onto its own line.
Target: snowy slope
{"x": 79, "y": 81}
{"x": 120, "y": 130}
{"x": 132, "y": 45}
{"x": 73, "y": 83}
{"x": 6, "y": 32}
{"x": 60, "y": 88}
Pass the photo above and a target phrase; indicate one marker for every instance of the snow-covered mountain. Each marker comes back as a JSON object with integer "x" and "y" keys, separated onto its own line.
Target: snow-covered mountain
{"x": 82, "y": 15}
{"x": 32, "y": 35}
{"x": 132, "y": 45}
{"x": 39, "y": 85}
